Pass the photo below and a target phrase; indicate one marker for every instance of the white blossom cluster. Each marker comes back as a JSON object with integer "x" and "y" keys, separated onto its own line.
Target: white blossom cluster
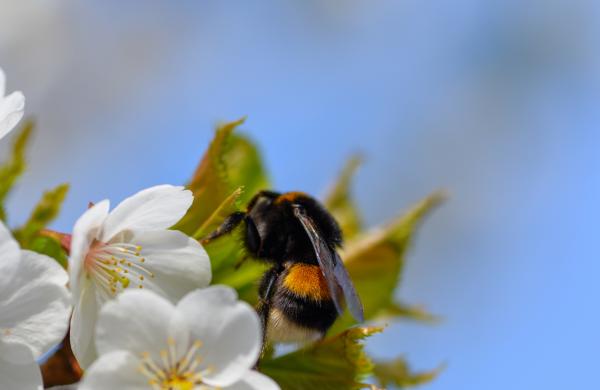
{"x": 136, "y": 298}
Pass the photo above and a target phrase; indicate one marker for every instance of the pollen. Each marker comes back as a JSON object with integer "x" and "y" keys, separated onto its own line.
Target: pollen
{"x": 115, "y": 267}
{"x": 172, "y": 373}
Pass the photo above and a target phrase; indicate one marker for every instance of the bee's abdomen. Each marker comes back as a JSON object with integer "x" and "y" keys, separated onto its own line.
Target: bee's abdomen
{"x": 306, "y": 281}
{"x": 301, "y": 307}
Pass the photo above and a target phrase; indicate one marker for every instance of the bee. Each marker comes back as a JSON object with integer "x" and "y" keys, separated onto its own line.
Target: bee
{"x": 304, "y": 291}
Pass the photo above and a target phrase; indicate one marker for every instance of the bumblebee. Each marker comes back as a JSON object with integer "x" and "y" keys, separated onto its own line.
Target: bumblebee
{"x": 305, "y": 289}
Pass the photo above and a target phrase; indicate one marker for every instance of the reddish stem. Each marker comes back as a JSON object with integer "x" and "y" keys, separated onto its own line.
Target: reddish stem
{"x": 62, "y": 367}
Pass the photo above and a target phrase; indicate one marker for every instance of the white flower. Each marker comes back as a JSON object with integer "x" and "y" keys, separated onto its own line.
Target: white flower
{"x": 11, "y": 107}
{"x": 34, "y": 312}
{"x": 208, "y": 340}
{"x": 130, "y": 247}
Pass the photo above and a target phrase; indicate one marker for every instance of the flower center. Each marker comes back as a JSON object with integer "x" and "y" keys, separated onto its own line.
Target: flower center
{"x": 114, "y": 267}
{"x": 171, "y": 372}
{"x": 178, "y": 384}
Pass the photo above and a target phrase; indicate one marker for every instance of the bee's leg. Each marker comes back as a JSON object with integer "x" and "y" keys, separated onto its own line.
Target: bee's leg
{"x": 265, "y": 293}
{"x": 230, "y": 223}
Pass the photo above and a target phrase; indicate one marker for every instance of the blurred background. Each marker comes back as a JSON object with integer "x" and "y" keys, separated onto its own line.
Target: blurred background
{"x": 495, "y": 101}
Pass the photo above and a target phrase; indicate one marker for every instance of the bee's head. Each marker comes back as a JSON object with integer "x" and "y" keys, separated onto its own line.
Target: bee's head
{"x": 262, "y": 200}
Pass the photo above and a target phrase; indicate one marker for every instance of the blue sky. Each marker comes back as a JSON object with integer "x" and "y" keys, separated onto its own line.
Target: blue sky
{"x": 494, "y": 101}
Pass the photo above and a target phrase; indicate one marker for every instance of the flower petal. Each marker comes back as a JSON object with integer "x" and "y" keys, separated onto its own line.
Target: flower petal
{"x": 233, "y": 346}
{"x": 136, "y": 321}
{"x": 86, "y": 230}
{"x": 83, "y": 325}
{"x": 36, "y": 310}
{"x": 9, "y": 257}
{"x": 254, "y": 380}
{"x": 115, "y": 370}
{"x": 11, "y": 111}
{"x": 154, "y": 208}
{"x": 18, "y": 368}
{"x": 179, "y": 263}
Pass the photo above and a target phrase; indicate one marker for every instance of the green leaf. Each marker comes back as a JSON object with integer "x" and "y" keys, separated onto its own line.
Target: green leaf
{"x": 227, "y": 253}
{"x": 245, "y": 167}
{"x": 398, "y": 373}
{"x": 411, "y": 312}
{"x": 375, "y": 262}
{"x": 338, "y": 201}
{"x": 335, "y": 363}
{"x": 228, "y": 256}
{"x": 12, "y": 169}
{"x": 43, "y": 214}
{"x": 50, "y": 247}
{"x": 219, "y": 215}
{"x": 244, "y": 279}
{"x": 231, "y": 162}
{"x": 210, "y": 183}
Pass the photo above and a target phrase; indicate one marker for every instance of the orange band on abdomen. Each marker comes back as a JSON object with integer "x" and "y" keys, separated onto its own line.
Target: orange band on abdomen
{"x": 306, "y": 280}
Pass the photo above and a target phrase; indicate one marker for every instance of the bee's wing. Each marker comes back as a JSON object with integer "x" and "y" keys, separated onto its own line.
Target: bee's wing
{"x": 323, "y": 253}
{"x": 352, "y": 299}
{"x": 332, "y": 267}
